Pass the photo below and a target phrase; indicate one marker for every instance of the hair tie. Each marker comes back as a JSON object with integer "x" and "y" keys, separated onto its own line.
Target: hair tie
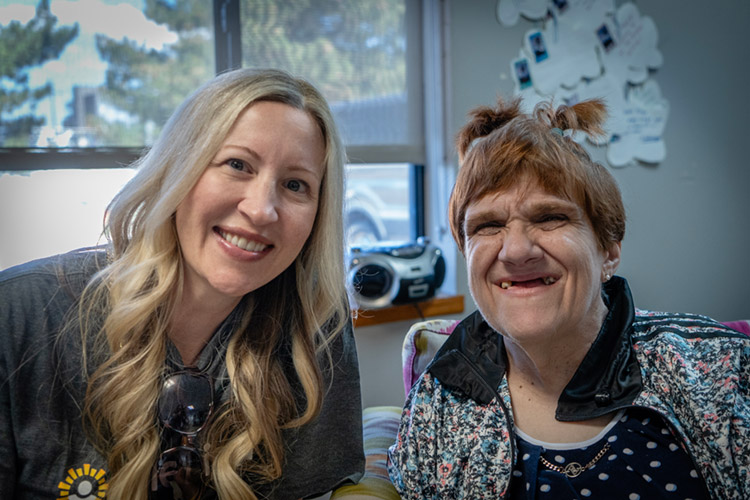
{"x": 557, "y": 130}
{"x": 474, "y": 143}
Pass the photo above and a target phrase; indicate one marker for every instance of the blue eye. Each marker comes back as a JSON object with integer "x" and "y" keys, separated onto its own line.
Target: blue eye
{"x": 236, "y": 164}
{"x": 295, "y": 185}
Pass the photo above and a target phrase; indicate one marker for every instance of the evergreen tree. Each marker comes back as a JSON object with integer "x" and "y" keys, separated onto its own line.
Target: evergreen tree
{"x": 22, "y": 47}
{"x": 349, "y": 48}
{"x": 149, "y": 84}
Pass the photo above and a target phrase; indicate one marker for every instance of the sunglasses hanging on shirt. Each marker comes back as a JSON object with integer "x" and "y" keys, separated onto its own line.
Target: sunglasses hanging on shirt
{"x": 185, "y": 405}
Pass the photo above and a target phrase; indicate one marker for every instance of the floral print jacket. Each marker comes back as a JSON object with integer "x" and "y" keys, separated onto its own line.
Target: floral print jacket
{"x": 456, "y": 434}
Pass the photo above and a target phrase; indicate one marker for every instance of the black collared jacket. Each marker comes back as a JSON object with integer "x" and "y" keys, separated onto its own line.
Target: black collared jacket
{"x": 456, "y": 438}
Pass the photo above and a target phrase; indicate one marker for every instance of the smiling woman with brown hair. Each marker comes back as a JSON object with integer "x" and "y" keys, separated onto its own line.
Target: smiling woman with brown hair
{"x": 558, "y": 385}
{"x": 207, "y": 350}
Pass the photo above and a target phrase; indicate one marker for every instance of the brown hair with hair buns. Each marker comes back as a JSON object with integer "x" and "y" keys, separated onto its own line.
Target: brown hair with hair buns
{"x": 501, "y": 146}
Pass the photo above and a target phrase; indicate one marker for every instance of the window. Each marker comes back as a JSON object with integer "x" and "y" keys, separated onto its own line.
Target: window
{"x": 111, "y": 72}
{"x": 379, "y": 203}
{"x": 364, "y": 56}
{"x": 104, "y": 74}
{"x": 46, "y": 212}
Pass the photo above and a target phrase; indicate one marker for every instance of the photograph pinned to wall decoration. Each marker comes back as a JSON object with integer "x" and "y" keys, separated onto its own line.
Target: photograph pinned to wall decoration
{"x": 529, "y": 94}
{"x": 605, "y": 37}
{"x": 537, "y": 46}
{"x": 561, "y": 5}
{"x": 521, "y": 73}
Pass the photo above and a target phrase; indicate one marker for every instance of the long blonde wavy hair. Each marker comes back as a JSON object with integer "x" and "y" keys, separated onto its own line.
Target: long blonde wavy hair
{"x": 126, "y": 308}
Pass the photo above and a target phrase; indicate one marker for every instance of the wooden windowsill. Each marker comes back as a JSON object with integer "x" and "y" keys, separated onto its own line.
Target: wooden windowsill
{"x": 437, "y": 306}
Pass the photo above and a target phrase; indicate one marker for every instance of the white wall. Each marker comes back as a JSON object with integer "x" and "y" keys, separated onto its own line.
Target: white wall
{"x": 688, "y": 235}
{"x": 379, "y": 349}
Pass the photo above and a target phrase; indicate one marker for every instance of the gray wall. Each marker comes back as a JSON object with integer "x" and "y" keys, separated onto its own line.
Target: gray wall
{"x": 686, "y": 247}
{"x": 687, "y": 239}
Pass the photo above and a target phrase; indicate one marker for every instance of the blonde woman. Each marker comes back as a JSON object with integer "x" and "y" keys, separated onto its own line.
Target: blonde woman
{"x": 207, "y": 350}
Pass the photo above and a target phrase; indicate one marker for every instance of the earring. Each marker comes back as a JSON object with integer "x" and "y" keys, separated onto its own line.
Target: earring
{"x": 606, "y": 277}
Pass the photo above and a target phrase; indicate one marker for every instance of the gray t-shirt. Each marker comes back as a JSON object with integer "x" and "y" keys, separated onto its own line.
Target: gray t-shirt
{"x": 44, "y": 452}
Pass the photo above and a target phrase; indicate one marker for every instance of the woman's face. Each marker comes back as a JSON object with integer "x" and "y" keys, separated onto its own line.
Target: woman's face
{"x": 252, "y": 210}
{"x": 535, "y": 269}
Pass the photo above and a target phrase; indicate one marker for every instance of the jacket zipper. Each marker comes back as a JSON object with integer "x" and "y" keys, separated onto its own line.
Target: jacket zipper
{"x": 501, "y": 402}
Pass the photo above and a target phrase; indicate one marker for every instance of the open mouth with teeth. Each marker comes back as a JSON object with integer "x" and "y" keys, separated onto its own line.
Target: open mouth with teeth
{"x": 243, "y": 243}
{"x": 547, "y": 280}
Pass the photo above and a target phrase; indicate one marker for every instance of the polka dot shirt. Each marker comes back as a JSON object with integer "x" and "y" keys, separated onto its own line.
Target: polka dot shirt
{"x": 642, "y": 461}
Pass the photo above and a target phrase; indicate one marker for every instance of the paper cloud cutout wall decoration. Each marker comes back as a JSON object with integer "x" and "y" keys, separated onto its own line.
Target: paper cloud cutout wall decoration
{"x": 560, "y": 57}
{"x": 510, "y": 11}
{"x": 629, "y": 44}
{"x": 589, "y": 48}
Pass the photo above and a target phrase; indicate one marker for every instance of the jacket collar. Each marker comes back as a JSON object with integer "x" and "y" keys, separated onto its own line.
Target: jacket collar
{"x": 473, "y": 360}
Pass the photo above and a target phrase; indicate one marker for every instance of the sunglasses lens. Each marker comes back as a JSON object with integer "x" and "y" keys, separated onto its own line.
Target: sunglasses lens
{"x": 178, "y": 474}
{"x": 185, "y": 402}
{"x": 184, "y": 406}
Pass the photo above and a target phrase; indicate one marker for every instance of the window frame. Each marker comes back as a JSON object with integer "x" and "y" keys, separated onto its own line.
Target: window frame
{"x": 228, "y": 55}
{"x": 424, "y": 81}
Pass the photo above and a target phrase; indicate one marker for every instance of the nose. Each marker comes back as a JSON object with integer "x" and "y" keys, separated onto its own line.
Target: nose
{"x": 518, "y": 246}
{"x": 260, "y": 202}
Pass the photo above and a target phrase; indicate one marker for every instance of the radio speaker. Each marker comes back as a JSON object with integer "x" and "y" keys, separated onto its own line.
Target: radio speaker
{"x": 391, "y": 274}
